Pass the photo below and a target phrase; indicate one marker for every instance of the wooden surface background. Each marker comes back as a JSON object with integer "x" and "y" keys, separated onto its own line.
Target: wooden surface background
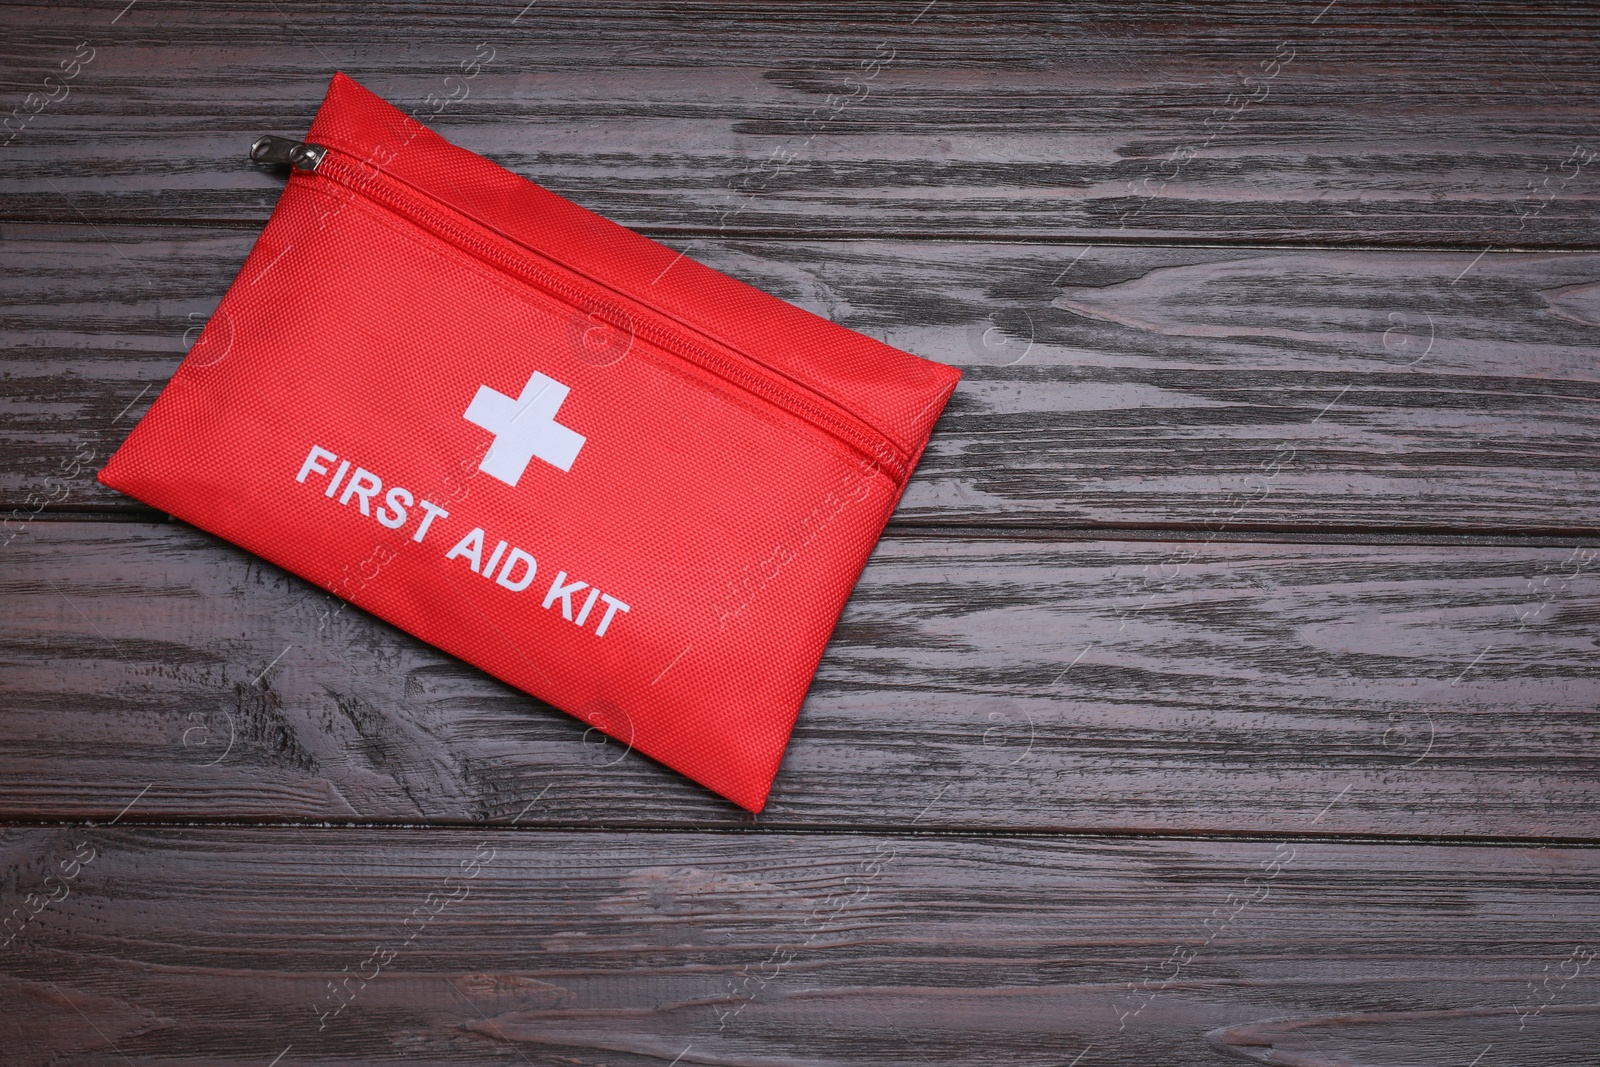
{"x": 1225, "y": 688}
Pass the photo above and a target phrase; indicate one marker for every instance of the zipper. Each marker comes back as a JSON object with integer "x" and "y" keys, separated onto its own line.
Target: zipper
{"x": 513, "y": 257}
{"x": 280, "y": 150}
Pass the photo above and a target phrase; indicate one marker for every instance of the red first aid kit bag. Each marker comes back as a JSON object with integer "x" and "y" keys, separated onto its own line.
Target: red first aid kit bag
{"x": 612, "y": 477}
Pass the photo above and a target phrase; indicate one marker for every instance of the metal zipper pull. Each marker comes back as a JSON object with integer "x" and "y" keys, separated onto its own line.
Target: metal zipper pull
{"x": 283, "y": 150}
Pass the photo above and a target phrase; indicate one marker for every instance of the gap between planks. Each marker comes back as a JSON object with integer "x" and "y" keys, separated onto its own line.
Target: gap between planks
{"x": 955, "y": 237}
{"x": 1064, "y": 834}
{"x": 1244, "y": 533}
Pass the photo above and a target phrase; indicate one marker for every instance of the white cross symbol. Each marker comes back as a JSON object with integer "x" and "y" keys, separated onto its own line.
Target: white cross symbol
{"x": 524, "y": 428}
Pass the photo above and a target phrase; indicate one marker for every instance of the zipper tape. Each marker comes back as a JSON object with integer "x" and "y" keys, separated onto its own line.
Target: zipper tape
{"x": 513, "y": 257}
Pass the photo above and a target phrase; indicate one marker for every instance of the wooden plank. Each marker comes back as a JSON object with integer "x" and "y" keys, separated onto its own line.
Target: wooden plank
{"x": 1105, "y": 387}
{"x": 1023, "y": 684}
{"x": 235, "y": 946}
{"x": 1279, "y": 122}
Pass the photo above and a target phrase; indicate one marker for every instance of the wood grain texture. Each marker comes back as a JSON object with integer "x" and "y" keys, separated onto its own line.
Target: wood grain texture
{"x": 1059, "y": 797}
{"x": 232, "y": 946}
{"x": 1105, "y": 386}
{"x": 1462, "y": 125}
{"x": 1021, "y": 684}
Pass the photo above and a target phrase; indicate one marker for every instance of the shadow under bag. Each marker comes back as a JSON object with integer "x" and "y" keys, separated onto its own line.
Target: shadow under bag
{"x": 614, "y": 478}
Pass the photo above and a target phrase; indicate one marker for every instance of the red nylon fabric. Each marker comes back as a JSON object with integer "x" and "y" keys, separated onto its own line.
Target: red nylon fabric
{"x": 608, "y": 475}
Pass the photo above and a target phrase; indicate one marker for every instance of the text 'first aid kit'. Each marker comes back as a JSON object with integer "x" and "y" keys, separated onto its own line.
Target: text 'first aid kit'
{"x": 606, "y": 474}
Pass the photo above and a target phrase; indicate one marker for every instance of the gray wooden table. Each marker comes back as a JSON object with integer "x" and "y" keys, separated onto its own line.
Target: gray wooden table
{"x": 1225, "y": 687}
